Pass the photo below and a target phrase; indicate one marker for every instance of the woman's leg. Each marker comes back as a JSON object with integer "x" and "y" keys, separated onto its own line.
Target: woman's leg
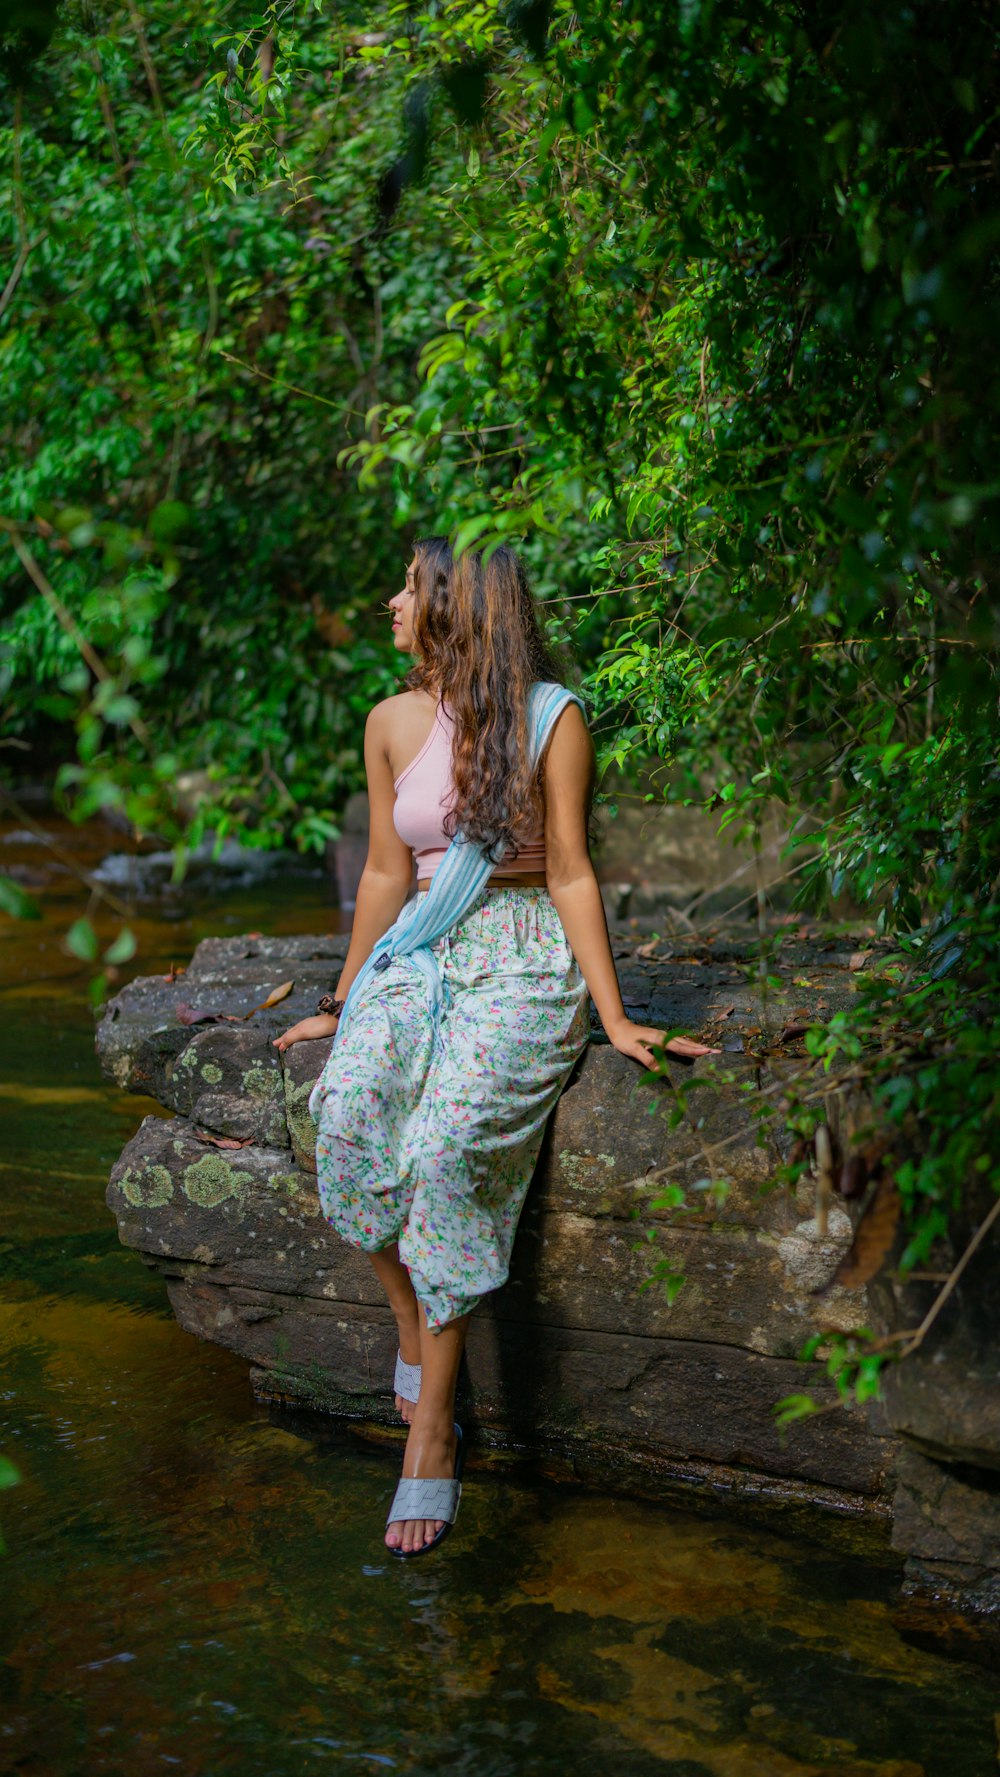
{"x": 514, "y": 1026}
{"x": 431, "y": 1445}
{"x": 362, "y": 1105}
{"x": 395, "y": 1280}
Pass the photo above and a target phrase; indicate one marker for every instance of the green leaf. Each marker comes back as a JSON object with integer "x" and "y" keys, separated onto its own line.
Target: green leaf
{"x": 74, "y": 519}
{"x": 672, "y": 1283}
{"x": 123, "y": 948}
{"x": 793, "y": 1407}
{"x": 470, "y": 531}
{"x": 965, "y": 93}
{"x": 169, "y": 519}
{"x": 15, "y": 902}
{"x": 672, "y": 1197}
{"x": 120, "y": 709}
{"x": 97, "y": 990}
{"x": 81, "y": 941}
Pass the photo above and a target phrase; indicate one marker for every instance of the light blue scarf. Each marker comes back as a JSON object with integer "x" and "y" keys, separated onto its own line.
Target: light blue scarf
{"x": 462, "y": 873}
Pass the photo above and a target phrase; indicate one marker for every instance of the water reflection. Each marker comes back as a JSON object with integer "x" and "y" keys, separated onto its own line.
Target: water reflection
{"x": 195, "y": 1582}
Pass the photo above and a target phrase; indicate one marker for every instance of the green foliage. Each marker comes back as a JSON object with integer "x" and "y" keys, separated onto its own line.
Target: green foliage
{"x": 81, "y": 941}
{"x": 695, "y": 304}
{"x": 851, "y": 1365}
{"x": 663, "y": 1276}
{"x": 196, "y": 328}
{"x": 733, "y": 275}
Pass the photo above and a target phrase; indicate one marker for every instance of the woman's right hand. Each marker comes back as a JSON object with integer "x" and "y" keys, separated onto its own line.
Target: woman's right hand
{"x": 306, "y": 1031}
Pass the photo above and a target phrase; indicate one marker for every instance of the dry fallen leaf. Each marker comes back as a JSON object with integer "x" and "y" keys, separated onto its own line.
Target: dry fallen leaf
{"x": 873, "y": 1238}
{"x": 225, "y": 1141}
{"x": 186, "y": 1014}
{"x": 273, "y": 999}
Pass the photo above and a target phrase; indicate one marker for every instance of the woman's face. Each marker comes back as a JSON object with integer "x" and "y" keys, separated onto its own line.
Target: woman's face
{"x": 401, "y": 605}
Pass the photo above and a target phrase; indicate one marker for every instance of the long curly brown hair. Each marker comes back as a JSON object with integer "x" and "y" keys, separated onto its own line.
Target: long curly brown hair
{"x": 480, "y": 648}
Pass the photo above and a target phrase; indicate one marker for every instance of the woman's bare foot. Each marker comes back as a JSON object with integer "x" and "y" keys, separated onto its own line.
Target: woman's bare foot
{"x": 431, "y": 1449}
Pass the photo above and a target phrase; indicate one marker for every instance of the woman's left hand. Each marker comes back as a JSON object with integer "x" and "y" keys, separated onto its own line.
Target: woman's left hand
{"x": 306, "y": 1031}
{"x": 637, "y": 1040}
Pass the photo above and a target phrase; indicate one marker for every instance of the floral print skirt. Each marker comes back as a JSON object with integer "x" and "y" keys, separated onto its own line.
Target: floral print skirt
{"x": 433, "y": 1143}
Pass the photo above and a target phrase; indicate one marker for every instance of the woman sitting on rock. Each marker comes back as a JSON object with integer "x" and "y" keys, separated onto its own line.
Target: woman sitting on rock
{"x": 460, "y": 1013}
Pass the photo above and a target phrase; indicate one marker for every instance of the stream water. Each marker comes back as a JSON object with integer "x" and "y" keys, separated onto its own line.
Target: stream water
{"x": 193, "y": 1582}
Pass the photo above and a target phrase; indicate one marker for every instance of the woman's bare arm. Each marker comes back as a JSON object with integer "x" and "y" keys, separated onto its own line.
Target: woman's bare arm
{"x": 388, "y": 872}
{"x": 385, "y": 879}
{"x": 576, "y": 894}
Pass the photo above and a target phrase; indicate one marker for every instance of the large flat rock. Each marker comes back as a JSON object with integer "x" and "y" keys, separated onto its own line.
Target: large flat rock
{"x": 588, "y": 1241}
{"x": 582, "y": 1346}
{"x": 581, "y": 1359}
{"x": 658, "y": 1401}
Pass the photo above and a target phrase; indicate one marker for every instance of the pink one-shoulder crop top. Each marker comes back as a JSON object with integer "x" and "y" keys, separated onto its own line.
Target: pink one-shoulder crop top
{"x": 423, "y": 796}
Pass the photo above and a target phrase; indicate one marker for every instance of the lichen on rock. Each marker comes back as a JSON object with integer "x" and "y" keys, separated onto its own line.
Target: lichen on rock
{"x": 147, "y": 1188}
{"x": 301, "y": 1128}
{"x": 284, "y": 1181}
{"x": 212, "y": 1179}
{"x": 261, "y": 1082}
{"x": 578, "y": 1169}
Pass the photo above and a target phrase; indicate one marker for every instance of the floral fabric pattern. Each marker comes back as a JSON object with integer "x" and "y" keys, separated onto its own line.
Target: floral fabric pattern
{"x": 433, "y": 1145}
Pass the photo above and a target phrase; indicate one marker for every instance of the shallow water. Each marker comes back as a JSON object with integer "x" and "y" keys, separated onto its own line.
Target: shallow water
{"x": 197, "y": 1583}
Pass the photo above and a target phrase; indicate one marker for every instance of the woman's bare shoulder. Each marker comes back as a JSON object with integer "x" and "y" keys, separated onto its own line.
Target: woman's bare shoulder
{"x": 398, "y": 726}
{"x": 396, "y": 714}
{"x": 571, "y": 737}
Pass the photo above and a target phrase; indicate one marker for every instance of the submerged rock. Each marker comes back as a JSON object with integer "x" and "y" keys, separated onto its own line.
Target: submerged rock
{"x": 232, "y": 866}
